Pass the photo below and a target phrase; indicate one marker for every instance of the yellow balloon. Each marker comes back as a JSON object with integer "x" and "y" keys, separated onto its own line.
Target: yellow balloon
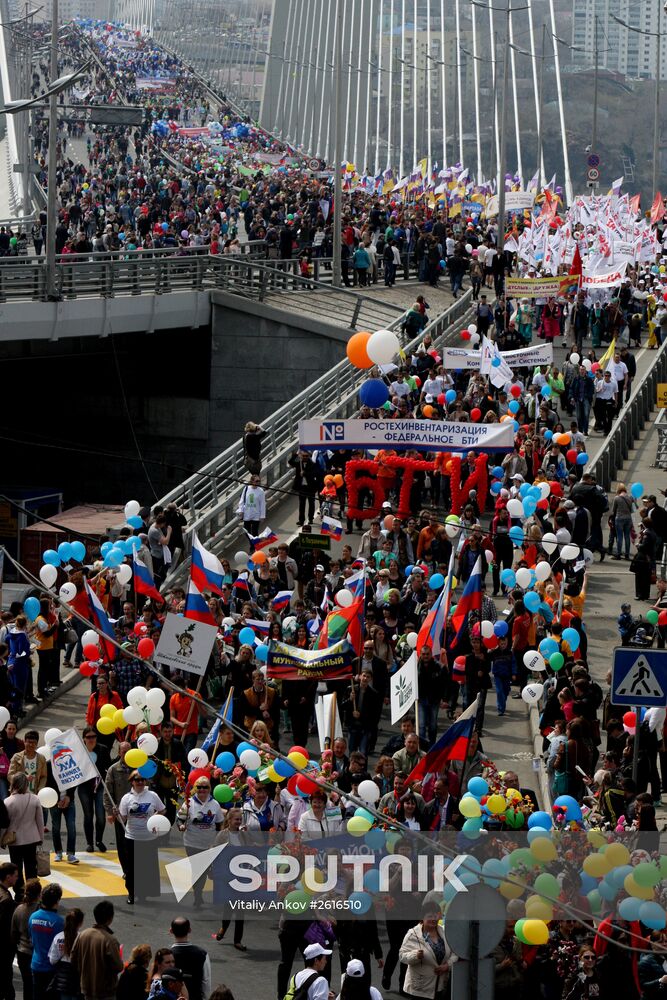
{"x": 470, "y": 808}
{"x": 538, "y": 908}
{"x": 496, "y": 804}
{"x": 358, "y": 826}
{"x": 510, "y": 890}
{"x": 597, "y": 865}
{"x": 297, "y": 759}
{"x": 543, "y": 849}
{"x": 119, "y": 719}
{"x": 455, "y": 583}
{"x": 135, "y": 758}
{"x": 107, "y": 711}
{"x": 535, "y": 931}
{"x": 105, "y": 726}
{"x": 617, "y": 855}
{"x": 273, "y": 775}
{"x": 313, "y": 879}
{"x": 512, "y": 794}
{"x": 597, "y": 839}
{"x": 638, "y": 891}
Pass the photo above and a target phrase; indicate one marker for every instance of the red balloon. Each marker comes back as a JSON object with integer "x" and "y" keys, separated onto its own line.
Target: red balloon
{"x": 441, "y": 399}
{"x": 91, "y": 651}
{"x": 302, "y": 750}
{"x": 145, "y": 648}
{"x": 543, "y": 504}
{"x": 556, "y": 488}
{"x": 515, "y": 390}
{"x": 491, "y": 642}
{"x": 571, "y": 455}
{"x": 86, "y": 669}
{"x": 291, "y": 784}
{"x": 140, "y": 628}
{"x": 198, "y": 772}
{"x": 306, "y": 785}
{"x": 475, "y": 414}
{"x": 662, "y": 618}
{"x": 630, "y": 720}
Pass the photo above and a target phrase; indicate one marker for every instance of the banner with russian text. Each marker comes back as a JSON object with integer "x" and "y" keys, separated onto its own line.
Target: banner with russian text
{"x": 604, "y": 279}
{"x": 71, "y": 763}
{"x": 289, "y": 663}
{"x": 532, "y": 288}
{"x": 539, "y": 354}
{"x": 405, "y": 435}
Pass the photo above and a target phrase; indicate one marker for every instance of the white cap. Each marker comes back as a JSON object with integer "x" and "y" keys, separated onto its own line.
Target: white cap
{"x": 429, "y": 399}
{"x": 355, "y": 968}
{"x": 314, "y": 951}
{"x": 320, "y": 567}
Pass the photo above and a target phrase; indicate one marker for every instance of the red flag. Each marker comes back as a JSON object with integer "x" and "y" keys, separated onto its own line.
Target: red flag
{"x": 657, "y": 209}
{"x": 343, "y": 621}
{"x": 634, "y": 204}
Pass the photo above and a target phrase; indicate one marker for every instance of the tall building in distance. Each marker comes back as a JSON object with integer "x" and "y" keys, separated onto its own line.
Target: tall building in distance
{"x": 633, "y": 54}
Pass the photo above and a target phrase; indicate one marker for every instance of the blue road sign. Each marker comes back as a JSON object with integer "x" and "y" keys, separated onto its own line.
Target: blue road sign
{"x": 639, "y": 677}
{"x": 593, "y": 160}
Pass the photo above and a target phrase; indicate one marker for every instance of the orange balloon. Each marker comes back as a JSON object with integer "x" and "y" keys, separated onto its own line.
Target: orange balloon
{"x": 448, "y": 467}
{"x": 338, "y": 481}
{"x": 564, "y": 439}
{"x": 389, "y": 522}
{"x": 329, "y": 479}
{"x": 428, "y": 411}
{"x": 258, "y": 558}
{"x": 356, "y": 350}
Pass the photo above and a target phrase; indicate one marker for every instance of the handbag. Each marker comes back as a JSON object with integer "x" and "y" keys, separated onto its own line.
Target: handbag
{"x": 70, "y": 637}
{"x": 4, "y": 764}
{"x": 8, "y": 838}
{"x": 43, "y": 862}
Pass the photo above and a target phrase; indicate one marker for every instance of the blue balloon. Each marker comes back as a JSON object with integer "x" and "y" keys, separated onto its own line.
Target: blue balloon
{"x": 547, "y": 648}
{"x": 283, "y": 768}
{"x": 115, "y": 556}
{"x": 607, "y": 891}
{"x": 148, "y": 770}
{"x": 628, "y": 909}
{"x": 122, "y": 544}
{"x": 652, "y": 915}
{"x": 436, "y": 581}
{"x": 496, "y": 362}
{"x": 78, "y": 551}
{"x": 536, "y": 832}
{"x": 31, "y": 608}
{"x": 65, "y": 551}
{"x": 572, "y": 638}
{"x": 374, "y": 393}
{"x": 516, "y": 535}
{"x": 478, "y": 787}
{"x": 372, "y": 880}
{"x": 106, "y": 547}
{"x": 508, "y": 578}
{"x": 496, "y": 488}
{"x": 588, "y": 883}
{"x": 531, "y": 601}
{"x": 246, "y": 636}
{"x": 365, "y": 814}
{"x": 637, "y": 490}
{"x": 546, "y": 612}
{"x": 545, "y": 391}
{"x": 524, "y": 490}
{"x": 513, "y": 407}
{"x": 450, "y": 395}
{"x": 443, "y": 264}
{"x": 226, "y": 761}
{"x": 262, "y": 653}
{"x": 51, "y": 557}
{"x": 135, "y": 522}
{"x": 498, "y": 472}
{"x": 493, "y": 872}
{"x": 244, "y": 746}
{"x": 135, "y": 543}
{"x": 529, "y": 506}
{"x": 408, "y": 570}
{"x": 570, "y": 804}
{"x": 375, "y": 839}
{"x": 617, "y": 876}
{"x": 548, "y": 435}
{"x": 500, "y": 628}
{"x": 541, "y": 819}
{"x": 360, "y": 902}
{"x": 582, "y": 458}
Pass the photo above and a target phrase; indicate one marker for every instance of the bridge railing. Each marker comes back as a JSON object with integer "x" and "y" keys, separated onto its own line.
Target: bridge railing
{"x": 209, "y": 498}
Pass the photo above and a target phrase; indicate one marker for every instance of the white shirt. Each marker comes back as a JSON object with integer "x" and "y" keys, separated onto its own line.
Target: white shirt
{"x": 399, "y": 389}
{"x": 606, "y": 390}
{"x": 320, "y": 988}
{"x": 433, "y": 386}
{"x": 313, "y": 828}
{"x": 252, "y": 504}
{"x": 200, "y": 822}
{"x": 135, "y": 811}
{"x": 618, "y": 370}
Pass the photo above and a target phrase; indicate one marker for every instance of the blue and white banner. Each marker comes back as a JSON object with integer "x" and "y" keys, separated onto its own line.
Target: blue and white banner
{"x": 525, "y": 357}
{"x": 70, "y": 761}
{"x": 406, "y": 435}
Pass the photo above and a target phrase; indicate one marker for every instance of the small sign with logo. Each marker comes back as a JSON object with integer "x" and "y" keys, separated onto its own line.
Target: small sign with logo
{"x": 314, "y": 541}
{"x": 662, "y": 394}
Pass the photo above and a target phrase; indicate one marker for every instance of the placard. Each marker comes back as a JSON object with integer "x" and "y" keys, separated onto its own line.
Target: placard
{"x": 185, "y": 644}
{"x": 405, "y": 435}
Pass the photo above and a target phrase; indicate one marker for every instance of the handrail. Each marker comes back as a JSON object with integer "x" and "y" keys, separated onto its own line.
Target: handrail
{"x": 630, "y": 422}
{"x": 208, "y": 499}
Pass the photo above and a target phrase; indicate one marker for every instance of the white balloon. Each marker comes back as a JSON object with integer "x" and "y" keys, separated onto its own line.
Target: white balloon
{"x": 51, "y": 735}
{"x": 155, "y": 716}
{"x": 250, "y": 759}
{"x": 124, "y": 573}
{"x": 563, "y": 536}
{"x": 137, "y": 696}
{"x": 575, "y": 358}
{"x": 474, "y": 339}
{"x": 411, "y": 639}
{"x": 67, "y": 592}
{"x": 4, "y": 716}
{"x": 515, "y": 507}
{"x": 487, "y": 629}
{"x": 241, "y": 559}
{"x": 90, "y": 638}
{"x": 198, "y": 758}
{"x": 344, "y": 598}
{"x": 48, "y": 575}
{"x": 532, "y": 693}
{"x": 44, "y": 751}
{"x": 133, "y": 715}
{"x": 289, "y": 621}
{"x": 47, "y": 797}
{"x": 228, "y": 622}
{"x": 382, "y": 346}
{"x": 132, "y": 508}
{"x": 587, "y": 363}
{"x": 472, "y": 329}
{"x": 549, "y": 543}
{"x": 452, "y": 530}
{"x": 588, "y": 557}
{"x": 158, "y": 825}
{"x": 468, "y": 247}
{"x": 155, "y": 698}
{"x": 489, "y": 556}
{"x": 569, "y": 552}
{"x": 148, "y": 743}
{"x": 543, "y": 571}
{"x": 524, "y": 577}
{"x": 369, "y": 791}
{"x": 545, "y": 490}
{"x": 534, "y": 661}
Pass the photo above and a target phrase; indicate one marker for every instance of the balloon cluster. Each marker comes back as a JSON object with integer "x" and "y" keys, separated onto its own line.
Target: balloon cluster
{"x": 66, "y": 553}
{"x": 142, "y": 706}
{"x": 470, "y": 334}
{"x": 367, "y": 349}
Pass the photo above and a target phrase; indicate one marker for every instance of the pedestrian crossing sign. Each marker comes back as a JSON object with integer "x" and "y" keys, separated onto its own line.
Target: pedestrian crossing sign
{"x": 639, "y": 677}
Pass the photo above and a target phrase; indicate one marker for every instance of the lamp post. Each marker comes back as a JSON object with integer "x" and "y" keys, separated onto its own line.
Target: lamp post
{"x": 51, "y": 206}
{"x": 338, "y": 146}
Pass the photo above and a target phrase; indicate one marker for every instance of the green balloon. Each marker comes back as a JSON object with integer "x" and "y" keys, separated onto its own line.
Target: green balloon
{"x": 651, "y": 616}
{"x": 556, "y": 661}
{"x": 595, "y": 900}
{"x": 547, "y": 885}
{"x": 518, "y": 930}
{"x": 646, "y": 875}
{"x": 13, "y": 241}
{"x": 223, "y": 793}
{"x": 514, "y": 819}
{"x": 297, "y": 901}
{"x": 522, "y": 856}
{"x": 662, "y": 863}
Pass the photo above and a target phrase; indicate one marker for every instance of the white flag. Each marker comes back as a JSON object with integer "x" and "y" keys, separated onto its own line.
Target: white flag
{"x": 324, "y": 716}
{"x": 403, "y": 689}
{"x": 70, "y": 761}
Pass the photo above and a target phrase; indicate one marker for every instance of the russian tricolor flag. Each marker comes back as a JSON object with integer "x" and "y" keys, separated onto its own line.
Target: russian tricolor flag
{"x": 258, "y": 626}
{"x": 281, "y": 600}
{"x": 98, "y": 617}
{"x": 357, "y": 582}
{"x": 331, "y": 527}
{"x": 452, "y": 745}
{"x": 196, "y": 607}
{"x": 143, "y": 581}
{"x": 430, "y": 634}
{"x": 267, "y": 537}
{"x": 471, "y": 600}
{"x": 205, "y": 570}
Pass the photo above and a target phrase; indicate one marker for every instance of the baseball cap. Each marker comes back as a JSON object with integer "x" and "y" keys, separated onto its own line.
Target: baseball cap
{"x": 314, "y": 951}
{"x": 355, "y": 968}
{"x": 172, "y": 976}
{"x": 320, "y": 567}
{"x": 429, "y": 399}
{"x": 386, "y": 505}
{"x": 518, "y": 475}
{"x": 649, "y": 496}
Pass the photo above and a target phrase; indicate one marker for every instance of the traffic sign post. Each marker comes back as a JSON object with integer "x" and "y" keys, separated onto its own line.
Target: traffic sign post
{"x": 639, "y": 677}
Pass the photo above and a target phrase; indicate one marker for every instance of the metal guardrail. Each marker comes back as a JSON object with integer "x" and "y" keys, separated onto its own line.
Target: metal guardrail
{"x": 209, "y": 498}
{"x": 630, "y": 422}
{"x": 661, "y": 450}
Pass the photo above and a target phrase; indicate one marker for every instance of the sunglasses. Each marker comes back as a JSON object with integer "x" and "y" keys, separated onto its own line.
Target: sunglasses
{"x": 202, "y": 787}
{"x": 139, "y": 781}
{"x": 589, "y": 958}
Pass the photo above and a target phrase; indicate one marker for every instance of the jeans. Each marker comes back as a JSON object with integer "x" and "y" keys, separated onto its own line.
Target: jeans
{"x": 503, "y": 687}
{"x": 57, "y": 816}
{"x": 359, "y": 740}
{"x": 92, "y": 803}
{"x": 428, "y": 720}
{"x": 623, "y": 529}
{"x": 583, "y": 412}
{"x": 310, "y": 497}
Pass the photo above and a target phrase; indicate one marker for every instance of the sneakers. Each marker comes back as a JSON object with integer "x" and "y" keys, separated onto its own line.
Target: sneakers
{"x": 101, "y": 847}
{"x": 58, "y": 856}
{"x": 72, "y": 859}
{"x": 90, "y": 848}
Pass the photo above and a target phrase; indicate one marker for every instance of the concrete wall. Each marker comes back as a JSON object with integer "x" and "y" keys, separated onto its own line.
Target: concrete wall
{"x": 261, "y": 357}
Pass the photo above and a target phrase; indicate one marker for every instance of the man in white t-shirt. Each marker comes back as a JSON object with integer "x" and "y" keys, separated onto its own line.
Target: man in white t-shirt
{"x": 399, "y": 387}
{"x": 619, "y": 373}
{"x": 315, "y": 957}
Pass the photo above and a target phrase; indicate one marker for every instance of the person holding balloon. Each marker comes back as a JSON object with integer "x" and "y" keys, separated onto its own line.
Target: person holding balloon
{"x": 44, "y": 632}
{"x": 135, "y": 811}
{"x": 19, "y": 667}
{"x": 200, "y": 818}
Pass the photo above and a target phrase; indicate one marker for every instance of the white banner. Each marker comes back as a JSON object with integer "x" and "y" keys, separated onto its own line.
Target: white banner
{"x": 515, "y": 201}
{"x": 403, "y": 689}
{"x": 604, "y": 279}
{"x": 404, "y": 435}
{"x": 325, "y": 712}
{"x": 70, "y": 761}
{"x": 539, "y": 354}
{"x": 185, "y": 644}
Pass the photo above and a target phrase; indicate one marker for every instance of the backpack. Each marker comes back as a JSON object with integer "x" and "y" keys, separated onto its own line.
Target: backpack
{"x": 302, "y": 992}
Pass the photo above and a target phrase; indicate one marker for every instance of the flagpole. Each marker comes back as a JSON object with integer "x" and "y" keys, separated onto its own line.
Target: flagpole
{"x": 464, "y": 766}
{"x": 192, "y": 705}
{"x": 328, "y": 741}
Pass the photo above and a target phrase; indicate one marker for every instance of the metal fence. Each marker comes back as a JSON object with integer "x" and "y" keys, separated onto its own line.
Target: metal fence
{"x": 631, "y": 420}
{"x": 209, "y": 498}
